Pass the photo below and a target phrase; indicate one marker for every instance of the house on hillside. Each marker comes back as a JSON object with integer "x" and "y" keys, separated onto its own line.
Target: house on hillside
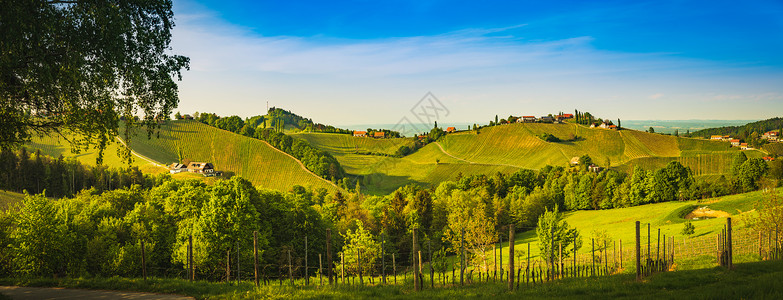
{"x": 574, "y": 161}
{"x": 565, "y": 116}
{"x": 720, "y": 138}
{"x": 177, "y": 168}
{"x": 528, "y": 119}
{"x": 379, "y": 134}
{"x": 735, "y": 142}
{"x": 595, "y": 169}
{"x": 360, "y": 133}
{"x": 451, "y": 129}
{"x": 744, "y": 146}
{"x": 768, "y": 158}
{"x": 547, "y": 119}
{"x": 201, "y": 168}
{"x": 770, "y": 136}
{"x": 606, "y": 125}
{"x": 187, "y": 117}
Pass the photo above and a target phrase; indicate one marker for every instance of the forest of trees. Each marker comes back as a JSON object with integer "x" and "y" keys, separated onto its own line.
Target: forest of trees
{"x": 35, "y": 173}
{"x": 99, "y": 233}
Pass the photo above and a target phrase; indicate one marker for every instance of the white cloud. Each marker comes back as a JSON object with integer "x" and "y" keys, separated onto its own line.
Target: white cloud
{"x": 325, "y": 78}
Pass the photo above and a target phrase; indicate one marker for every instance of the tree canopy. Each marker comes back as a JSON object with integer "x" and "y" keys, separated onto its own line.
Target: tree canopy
{"x": 79, "y": 66}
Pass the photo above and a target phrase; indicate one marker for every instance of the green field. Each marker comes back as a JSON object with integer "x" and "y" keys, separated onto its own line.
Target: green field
{"x": 518, "y": 145}
{"x": 619, "y": 223}
{"x": 55, "y": 146}
{"x": 348, "y": 144}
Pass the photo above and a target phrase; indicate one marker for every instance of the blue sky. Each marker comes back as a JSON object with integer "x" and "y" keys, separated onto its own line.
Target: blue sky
{"x": 363, "y": 62}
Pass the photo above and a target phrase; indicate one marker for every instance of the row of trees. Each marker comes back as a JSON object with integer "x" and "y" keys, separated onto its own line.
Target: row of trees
{"x": 35, "y": 173}
{"x": 318, "y": 161}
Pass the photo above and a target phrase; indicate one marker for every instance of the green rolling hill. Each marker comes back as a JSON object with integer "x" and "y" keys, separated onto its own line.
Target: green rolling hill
{"x": 231, "y": 153}
{"x": 508, "y": 148}
{"x": 505, "y": 149}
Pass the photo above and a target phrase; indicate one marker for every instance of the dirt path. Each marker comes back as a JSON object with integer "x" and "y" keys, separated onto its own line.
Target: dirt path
{"x": 18, "y": 292}
{"x": 472, "y": 162}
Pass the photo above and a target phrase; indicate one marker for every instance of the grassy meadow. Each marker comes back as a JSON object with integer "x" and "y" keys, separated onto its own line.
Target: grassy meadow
{"x": 55, "y": 146}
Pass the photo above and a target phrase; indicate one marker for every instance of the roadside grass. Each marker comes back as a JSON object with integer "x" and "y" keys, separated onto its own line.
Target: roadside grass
{"x": 756, "y": 280}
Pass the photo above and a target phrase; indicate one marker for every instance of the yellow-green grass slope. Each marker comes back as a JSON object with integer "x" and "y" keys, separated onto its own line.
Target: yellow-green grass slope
{"x": 231, "y": 153}
{"x": 55, "y": 146}
{"x": 619, "y": 224}
{"x": 519, "y": 145}
{"x": 428, "y": 166}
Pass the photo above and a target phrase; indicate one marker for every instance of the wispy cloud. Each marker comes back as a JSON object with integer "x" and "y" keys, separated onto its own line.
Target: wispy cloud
{"x": 493, "y": 66}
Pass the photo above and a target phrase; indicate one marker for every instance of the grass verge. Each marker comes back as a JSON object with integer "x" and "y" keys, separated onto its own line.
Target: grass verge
{"x": 757, "y": 280}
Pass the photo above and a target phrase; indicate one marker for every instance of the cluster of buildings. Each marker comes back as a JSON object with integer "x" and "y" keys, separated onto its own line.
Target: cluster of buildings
{"x": 605, "y": 125}
{"x": 545, "y": 119}
{"x": 770, "y": 136}
{"x": 205, "y": 168}
{"x": 377, "y": 134}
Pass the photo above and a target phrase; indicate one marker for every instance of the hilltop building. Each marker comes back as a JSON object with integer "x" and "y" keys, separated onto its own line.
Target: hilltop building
{"x": 360, "y": 133}
{"x": 177, "y": 168}
{"x": 201, "y": 168}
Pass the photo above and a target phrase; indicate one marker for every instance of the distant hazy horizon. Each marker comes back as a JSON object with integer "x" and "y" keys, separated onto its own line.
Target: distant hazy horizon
{"x": 663, "y": 126}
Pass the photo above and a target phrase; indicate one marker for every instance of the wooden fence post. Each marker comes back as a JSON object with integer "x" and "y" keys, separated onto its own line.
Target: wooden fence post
{"x": 190, "y": 258}
{"x": 418, "y": 271}
{"x": 329, "y": 253}
{"x": 500, "y": 253}
{"x": 731, "y": 246}
{"x": 511, "y": 257}
{"x": 638, "y": 258}
{"x": 143, "y": 261}
{"x": 527, "y": 265}
{"x": 320, "y": 271}
{"x": 238, "y": 274}
{"x": 432, "y": 270}
{"x": 462, "y": 258}
{"x": 359, "y": 265}
{"x": 658, "y": 246}
{"x": 383, "y": 258}
{"x": 307, "y": 276}
{"x": 290, "y": 269}
{"x": 394, "y": 268}
{"x": 621, "y": 254}
{"x": 648, "y": 241}
{"x": 606, "y": 259}
{"x": 415, "y": 248}
{"x": 592, "y": 258}
{"x": 342, "y": 267}
{"x": 255, "y": 255}
{"x": 560, "y": 259}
